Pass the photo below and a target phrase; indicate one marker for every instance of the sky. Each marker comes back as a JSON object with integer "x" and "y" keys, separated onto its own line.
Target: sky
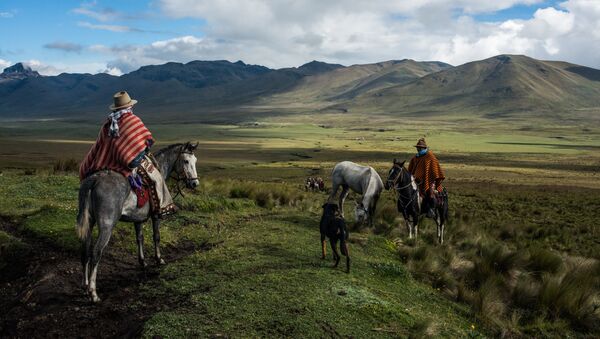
{"x": 118, "y": 37}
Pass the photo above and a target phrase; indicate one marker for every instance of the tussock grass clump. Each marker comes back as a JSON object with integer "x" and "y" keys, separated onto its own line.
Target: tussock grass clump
{"x": 525, "y": 292}
{"x": 425, "y": 328}
{"x": 240, "y": 192}
{"x": 386, "y": 218}
{"x": 65, "y": 165}
{"x": 267, "y": 195}
{"x": 263, "y": 199}
{"x": 574, "y": 294}
{"x": 492, "y": 259}
{"x": 488, "y": 301}
{"x": 511, "y": 291}
{"x": 543, "y": 261}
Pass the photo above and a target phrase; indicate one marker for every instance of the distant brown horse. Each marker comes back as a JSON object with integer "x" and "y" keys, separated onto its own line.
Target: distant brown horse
{"x": 314, "y": 184}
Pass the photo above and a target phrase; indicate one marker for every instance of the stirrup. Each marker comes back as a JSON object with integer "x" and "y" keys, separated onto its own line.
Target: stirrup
{"x": 168, "y": 210}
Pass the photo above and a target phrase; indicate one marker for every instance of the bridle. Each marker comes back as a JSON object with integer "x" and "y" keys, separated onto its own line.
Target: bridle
{"x": 413, "y": 195}
{"x": 179, "y": 178}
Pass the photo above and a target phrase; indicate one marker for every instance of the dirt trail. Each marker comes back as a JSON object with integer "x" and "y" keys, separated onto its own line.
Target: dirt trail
{"x": 42, "y": 296}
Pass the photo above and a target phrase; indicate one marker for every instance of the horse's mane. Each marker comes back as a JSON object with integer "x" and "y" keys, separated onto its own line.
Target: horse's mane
{"x": 406, "y": 172}
{"x": 168, "y": 148}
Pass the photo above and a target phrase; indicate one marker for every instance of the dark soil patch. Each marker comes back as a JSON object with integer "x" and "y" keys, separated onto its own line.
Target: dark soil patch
{"x": 43, "y": 296}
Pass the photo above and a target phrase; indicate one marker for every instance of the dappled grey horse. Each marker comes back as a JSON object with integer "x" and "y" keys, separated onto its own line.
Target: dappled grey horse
{"x": 362, "y": 180}
{"x": 106, "y": 197}
{"x": 410, "y": 201}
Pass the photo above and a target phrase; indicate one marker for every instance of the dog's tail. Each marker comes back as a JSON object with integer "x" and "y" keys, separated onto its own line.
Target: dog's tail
{"x": 84, "y": 216}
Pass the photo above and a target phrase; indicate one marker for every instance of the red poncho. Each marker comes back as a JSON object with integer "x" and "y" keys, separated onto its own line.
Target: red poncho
{"x": 426, "y": 169}
{"x": 115, "y": 153}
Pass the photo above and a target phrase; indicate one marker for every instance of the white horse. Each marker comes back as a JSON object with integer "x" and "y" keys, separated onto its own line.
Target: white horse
{"x": 362, "y": 180}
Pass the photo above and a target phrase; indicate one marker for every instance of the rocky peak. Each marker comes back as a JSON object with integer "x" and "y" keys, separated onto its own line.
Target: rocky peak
{"x": 19, "y": 71}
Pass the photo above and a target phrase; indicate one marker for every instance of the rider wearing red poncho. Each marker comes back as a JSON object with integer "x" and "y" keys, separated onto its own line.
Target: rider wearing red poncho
{"x": 426, "y": 169}
{"x": 122, "y": 142}
{"x": 122, "y": 145}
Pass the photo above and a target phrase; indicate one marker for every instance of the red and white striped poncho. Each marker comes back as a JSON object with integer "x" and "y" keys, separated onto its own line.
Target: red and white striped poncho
{"x": 116, "y": 153}
{"x": 427, "y": 170}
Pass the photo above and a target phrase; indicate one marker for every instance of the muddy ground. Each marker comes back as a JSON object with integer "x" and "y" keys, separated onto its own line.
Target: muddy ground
{"x": 41, "y": 293}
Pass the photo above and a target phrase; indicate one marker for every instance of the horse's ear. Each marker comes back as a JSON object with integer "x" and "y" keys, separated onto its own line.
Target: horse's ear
{"x": 395, "y": 161}
{"x": 402, "y": 163}
{"x": 194, "y": 146}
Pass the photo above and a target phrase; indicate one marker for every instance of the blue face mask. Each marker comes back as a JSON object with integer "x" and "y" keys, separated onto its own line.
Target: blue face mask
{"x": 422, "y": 152}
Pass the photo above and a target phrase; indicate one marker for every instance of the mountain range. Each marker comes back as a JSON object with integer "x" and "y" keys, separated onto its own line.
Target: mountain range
{"x": 498, "y": 87}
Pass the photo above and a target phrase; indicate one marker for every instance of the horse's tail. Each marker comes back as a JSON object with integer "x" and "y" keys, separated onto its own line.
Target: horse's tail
{"x": 84, "y": 216}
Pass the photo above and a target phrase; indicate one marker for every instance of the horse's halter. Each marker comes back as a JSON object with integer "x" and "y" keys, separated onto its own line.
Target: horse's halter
{"x": 397, "y": 178}
{"x": 414, "y": 193}
{"x": 363, "y": 208}
{"x": 179, "y": 178}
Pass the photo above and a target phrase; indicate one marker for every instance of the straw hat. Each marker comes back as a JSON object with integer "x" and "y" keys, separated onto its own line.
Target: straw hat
{"x": 421, "y": 143}
{"x": 122, "y": 100}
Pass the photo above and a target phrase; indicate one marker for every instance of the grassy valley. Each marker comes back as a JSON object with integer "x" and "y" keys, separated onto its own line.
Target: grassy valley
{"x": 244, "y": 252}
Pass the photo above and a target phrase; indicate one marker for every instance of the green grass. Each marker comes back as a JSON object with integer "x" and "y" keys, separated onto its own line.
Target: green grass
{"x": 264, "y": 275}
{"x": 267, "y": 280}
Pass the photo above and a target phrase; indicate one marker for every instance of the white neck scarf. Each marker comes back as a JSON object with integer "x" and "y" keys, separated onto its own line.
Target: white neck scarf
{"x": 114, "y": 124}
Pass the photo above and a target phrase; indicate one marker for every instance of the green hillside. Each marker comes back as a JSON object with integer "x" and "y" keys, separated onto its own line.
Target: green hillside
{"x": 505, "y": 85}
{"x": 345, "y": 83}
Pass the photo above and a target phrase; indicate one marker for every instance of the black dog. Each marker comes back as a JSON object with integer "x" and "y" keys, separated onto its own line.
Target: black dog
{"x": 333, "y": 227}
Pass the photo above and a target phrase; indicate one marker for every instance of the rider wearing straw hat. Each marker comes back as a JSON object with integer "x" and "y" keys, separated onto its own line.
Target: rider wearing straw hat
{"x": 425, "y": 167}
{"x": 121, "y": 146}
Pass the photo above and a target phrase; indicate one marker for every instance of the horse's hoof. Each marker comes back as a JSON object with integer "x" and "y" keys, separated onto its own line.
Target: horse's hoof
{"x": 94, "y": 298}
{"x": 143, "y": 264}
{"x": 160, "y": 262}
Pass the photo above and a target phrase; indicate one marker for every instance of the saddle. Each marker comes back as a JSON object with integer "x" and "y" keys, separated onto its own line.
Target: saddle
{"x": 145, "y": 189}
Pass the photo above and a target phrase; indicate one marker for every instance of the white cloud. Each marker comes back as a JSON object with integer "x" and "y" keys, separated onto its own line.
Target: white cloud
{"x": 113, "y": 71}
{"x": 6, "y": 15}
{"x": 4, "y": 64}
{"x": 103, "y": 16}
{"x": 42, "y": 68}
{"x": 56, "y": 68}
{"x": 112, "y": 28}
{"x": 289, "y": 33}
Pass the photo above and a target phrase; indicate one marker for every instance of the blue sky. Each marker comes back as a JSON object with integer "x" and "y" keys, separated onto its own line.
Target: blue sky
{"x": 120, "y": 36}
